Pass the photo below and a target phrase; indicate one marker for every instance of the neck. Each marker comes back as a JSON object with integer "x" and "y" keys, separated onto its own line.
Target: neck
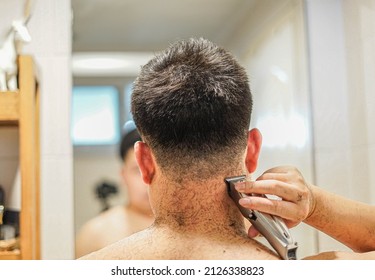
{"x": 201, "y": 207}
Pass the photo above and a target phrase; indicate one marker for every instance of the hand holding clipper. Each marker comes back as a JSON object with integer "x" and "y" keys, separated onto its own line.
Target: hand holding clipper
{"x": 271, "y": 227}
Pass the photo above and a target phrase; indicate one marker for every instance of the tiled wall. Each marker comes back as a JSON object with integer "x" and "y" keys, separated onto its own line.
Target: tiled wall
{"x": 51, "y": 46}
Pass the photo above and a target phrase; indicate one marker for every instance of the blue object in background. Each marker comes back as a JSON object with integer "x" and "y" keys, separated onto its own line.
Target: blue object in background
{"x": 95, "y": 115}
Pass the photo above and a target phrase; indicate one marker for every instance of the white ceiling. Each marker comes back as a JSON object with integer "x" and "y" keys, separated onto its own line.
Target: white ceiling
{"x": 150, "y": 25}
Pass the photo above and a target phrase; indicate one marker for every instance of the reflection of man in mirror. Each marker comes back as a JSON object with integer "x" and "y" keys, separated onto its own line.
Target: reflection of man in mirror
{"x": 122, "y": 220}
{"x": 192, "y": 106}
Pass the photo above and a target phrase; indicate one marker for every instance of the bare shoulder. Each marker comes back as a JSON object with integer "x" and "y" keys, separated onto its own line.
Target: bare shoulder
{"x": 100, "y": 231}
{"x": 104, "y": 219}
{"x": 120, "y": 221}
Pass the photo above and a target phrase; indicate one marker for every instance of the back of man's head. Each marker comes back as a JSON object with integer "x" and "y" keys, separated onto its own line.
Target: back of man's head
{"x": 192, "y": 106}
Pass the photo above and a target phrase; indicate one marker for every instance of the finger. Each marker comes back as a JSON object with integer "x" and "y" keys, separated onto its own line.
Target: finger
{"x": 281, "y": 173}
{"x": 284, "y": 190}
{"x": 284, "y": 209}
{"x": 281, "y": 169}
{"x": 283, "y": 177}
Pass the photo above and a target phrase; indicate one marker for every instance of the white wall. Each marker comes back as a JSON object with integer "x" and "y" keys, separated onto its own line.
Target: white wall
{"x": 359, "y": 25}
{"x": 341, "y": 43}
{"x": 50, "y": 29}
{"x": 93, "y": 165}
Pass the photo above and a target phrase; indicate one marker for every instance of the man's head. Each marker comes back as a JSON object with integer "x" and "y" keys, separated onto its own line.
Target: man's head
{"x": 131, "y": 176}
{"x": 192, "y": 105}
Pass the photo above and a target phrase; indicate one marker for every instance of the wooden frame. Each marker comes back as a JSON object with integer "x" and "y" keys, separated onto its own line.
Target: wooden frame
{"x": 21, "y": 108}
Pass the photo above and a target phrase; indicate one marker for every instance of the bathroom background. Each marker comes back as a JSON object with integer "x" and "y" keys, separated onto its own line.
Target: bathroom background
{"x": 311, "y": 65}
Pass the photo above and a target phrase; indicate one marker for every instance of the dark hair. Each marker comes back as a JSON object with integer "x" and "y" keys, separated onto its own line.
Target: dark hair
{"x": 192, "y": 105}
{"x": 127, "y": 142}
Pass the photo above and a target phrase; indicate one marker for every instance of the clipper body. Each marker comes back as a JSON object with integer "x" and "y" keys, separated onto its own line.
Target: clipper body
{"x": 271, "y": 227}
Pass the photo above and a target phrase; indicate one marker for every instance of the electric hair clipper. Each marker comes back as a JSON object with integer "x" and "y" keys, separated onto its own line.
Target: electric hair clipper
{"x": 271, "y": 227}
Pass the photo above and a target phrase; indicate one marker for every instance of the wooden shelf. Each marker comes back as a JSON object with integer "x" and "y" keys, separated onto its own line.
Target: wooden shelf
{"x": 21, "y": 108}
{"x": 10, "y": 255}
{"x": 9, "y": 107}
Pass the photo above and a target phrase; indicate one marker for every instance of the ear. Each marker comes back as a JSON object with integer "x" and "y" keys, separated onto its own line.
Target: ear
{"x": 254, "y": 143}
{"x": 145, "y": 161}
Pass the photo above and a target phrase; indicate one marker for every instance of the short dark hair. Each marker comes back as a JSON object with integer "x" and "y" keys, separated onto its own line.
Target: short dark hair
{"x": 127, "y": 142}
{"x": 192, "y": 105}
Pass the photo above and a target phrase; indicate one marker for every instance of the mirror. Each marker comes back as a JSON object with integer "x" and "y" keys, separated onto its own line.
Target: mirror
{"x": 268, "y": 37}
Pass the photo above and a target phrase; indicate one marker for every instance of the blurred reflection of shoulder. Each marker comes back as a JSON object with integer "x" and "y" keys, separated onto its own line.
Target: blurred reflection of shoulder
{"x": 108, "y": 227}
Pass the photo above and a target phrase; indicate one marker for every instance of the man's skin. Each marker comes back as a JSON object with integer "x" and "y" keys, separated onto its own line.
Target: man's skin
{"x": 192, "y": 221}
